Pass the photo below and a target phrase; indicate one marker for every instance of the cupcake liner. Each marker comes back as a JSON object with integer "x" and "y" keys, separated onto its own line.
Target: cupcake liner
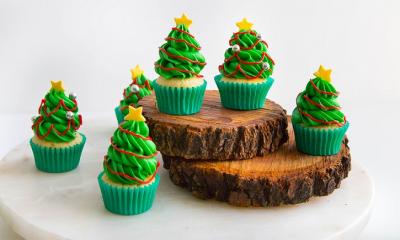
{"x": 119, "y": 115}
{"x": 128, "y": 200}
{"x": 57, "y": 160}
{"x": 319, "y": 141}
{"x": 179, "y": 100}
{"x": 243, "y": 96}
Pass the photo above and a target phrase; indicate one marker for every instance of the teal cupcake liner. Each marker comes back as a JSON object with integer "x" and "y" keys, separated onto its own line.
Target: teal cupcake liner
{"x": 128, "y": 200}
{"x": 319, "y": 141}
{"x": 119, "y": 115}
{"x": 57, "y": 160}
{"x": 243, "y": 96}
{"x": 179, "y": 100}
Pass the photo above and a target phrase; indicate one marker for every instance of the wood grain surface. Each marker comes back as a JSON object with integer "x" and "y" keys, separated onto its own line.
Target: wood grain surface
{"x": 217, "y": 133}
{"x": 283, "y": 177}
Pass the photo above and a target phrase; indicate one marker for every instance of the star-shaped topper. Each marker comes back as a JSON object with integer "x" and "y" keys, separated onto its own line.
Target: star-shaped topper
{"x": 244, "y": 25}
{"x": 135, "y": 114}
{"x": 136, "y": 72}
{"x": 324, "y": 74}
{"x": 57, "y": 85}
{"x": 183, "y": 20}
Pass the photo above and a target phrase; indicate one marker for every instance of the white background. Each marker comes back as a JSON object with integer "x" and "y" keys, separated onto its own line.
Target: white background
{"x": 91, "y": 45}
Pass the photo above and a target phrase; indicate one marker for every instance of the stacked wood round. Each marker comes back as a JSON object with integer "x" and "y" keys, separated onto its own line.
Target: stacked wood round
{"x": 246, "y": 158}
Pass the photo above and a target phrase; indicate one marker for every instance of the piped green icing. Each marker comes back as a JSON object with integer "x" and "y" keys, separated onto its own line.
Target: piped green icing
{"x": 132, "y": 99}
{"x": 318, "y": 108}
{"x": 55, "y": 127}
{"x": 128, "y": 165}
{"x": 174, "y": 55}
{"x": 250, "y": 60}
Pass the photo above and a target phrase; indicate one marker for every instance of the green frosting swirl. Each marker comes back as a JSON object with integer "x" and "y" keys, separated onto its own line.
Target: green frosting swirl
{"x": 140, "y": 168}
{"x": 319, "y": 108}
{"x": 132, "y": 99}
{"x": 57, "y": 122}
{"x": 247, "y": 58}
{"x": 180, "y": 58}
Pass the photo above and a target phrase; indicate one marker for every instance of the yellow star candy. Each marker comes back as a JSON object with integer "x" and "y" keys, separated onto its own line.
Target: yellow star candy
{"x": 244, "y": 24}
{"x": 136, "y": 72}
{"x": 183, "y": 20}
{"x": 324, "y": 74}
{"x": 135, "y": 114}
{"x": 57, "y": 85}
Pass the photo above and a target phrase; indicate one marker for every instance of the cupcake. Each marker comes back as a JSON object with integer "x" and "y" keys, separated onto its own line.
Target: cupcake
{"x": 318, "y": 123}
{"x": 138, "y": 89}
{"x": 56, "y": 144}
{"x": 245, "y": 74}
{"x": 180, "y": 88}
{"x": 129, "y": 181}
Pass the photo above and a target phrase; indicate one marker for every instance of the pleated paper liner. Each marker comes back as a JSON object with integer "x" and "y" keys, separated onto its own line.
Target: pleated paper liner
{"x": 57, "y": 160}
{"x": 128, "y": 200}
{"x": 319, "y": 141}
{"x": 243, "y": 96}
{"x": 179, "y": 100}
{"x": 119, "y": 115}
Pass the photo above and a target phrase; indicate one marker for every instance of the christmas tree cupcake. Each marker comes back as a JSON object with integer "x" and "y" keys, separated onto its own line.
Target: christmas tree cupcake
{"x": 245, "y": 74}
{"x": 138, "y": 89}
{"x": 180, "y": 87}
{"x": 318, "y": 123}
{"x": 129, "y": 181}
{"x": 56, "y": 145}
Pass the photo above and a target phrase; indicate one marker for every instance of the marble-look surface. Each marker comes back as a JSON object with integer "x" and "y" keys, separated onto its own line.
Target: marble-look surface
{"x": 68, "y": 206}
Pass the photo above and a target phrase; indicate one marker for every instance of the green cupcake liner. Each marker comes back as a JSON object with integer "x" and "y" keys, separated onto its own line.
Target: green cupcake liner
{"x": 57, "y": 160}
{"x": 119, "y": 115}
{"x": 319, "y": 141}
{"x": 179, "y": 100}
{"x": 126, "y": 200}
{"x": 243, "y": 96}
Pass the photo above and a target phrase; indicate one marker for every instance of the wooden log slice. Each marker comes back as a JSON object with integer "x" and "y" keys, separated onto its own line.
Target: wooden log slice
{"x": 283, "y": 177}
{"x": 215, "y": 132}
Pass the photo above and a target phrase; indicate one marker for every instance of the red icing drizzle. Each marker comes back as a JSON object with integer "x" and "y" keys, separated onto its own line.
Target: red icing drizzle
{"x": 133, "y": 133}
{"x": 146, "y": 85}
{"x": 179, "y": 70}
{"x": 334, "y": 122}
{"x": 182, "y": 57}
{"x": 235, "y": 55}
{"x": 131, "y": 153}
{"x": 40, "y": 119}
{"x": 184, "y": 41}
{"x": 319, "y": 105}
{"x": 130, "y": 177}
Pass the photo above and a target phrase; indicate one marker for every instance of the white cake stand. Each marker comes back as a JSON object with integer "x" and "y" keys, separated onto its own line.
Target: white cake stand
{"x": 40, "y": 205}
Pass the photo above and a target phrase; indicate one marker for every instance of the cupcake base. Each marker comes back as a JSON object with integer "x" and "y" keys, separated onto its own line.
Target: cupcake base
{"x": 119, "y": 115}
{"x": 319, "y": 141}
{"x": 243, "y": 96}
{"x": 57, "y": 160}
{"x": 179, "y": 100}
{"x": 126, "y": 199}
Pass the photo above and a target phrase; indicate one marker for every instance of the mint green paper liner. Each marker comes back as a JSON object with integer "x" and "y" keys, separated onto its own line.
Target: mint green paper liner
{"x": 243, "y": 96}
{"x": 179, "y": 100}
{"x": 119, "y": 115}
{"x": 319, "y": 141}
{"x": 57, "y": 160}
{"x": 128, "y": 200}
